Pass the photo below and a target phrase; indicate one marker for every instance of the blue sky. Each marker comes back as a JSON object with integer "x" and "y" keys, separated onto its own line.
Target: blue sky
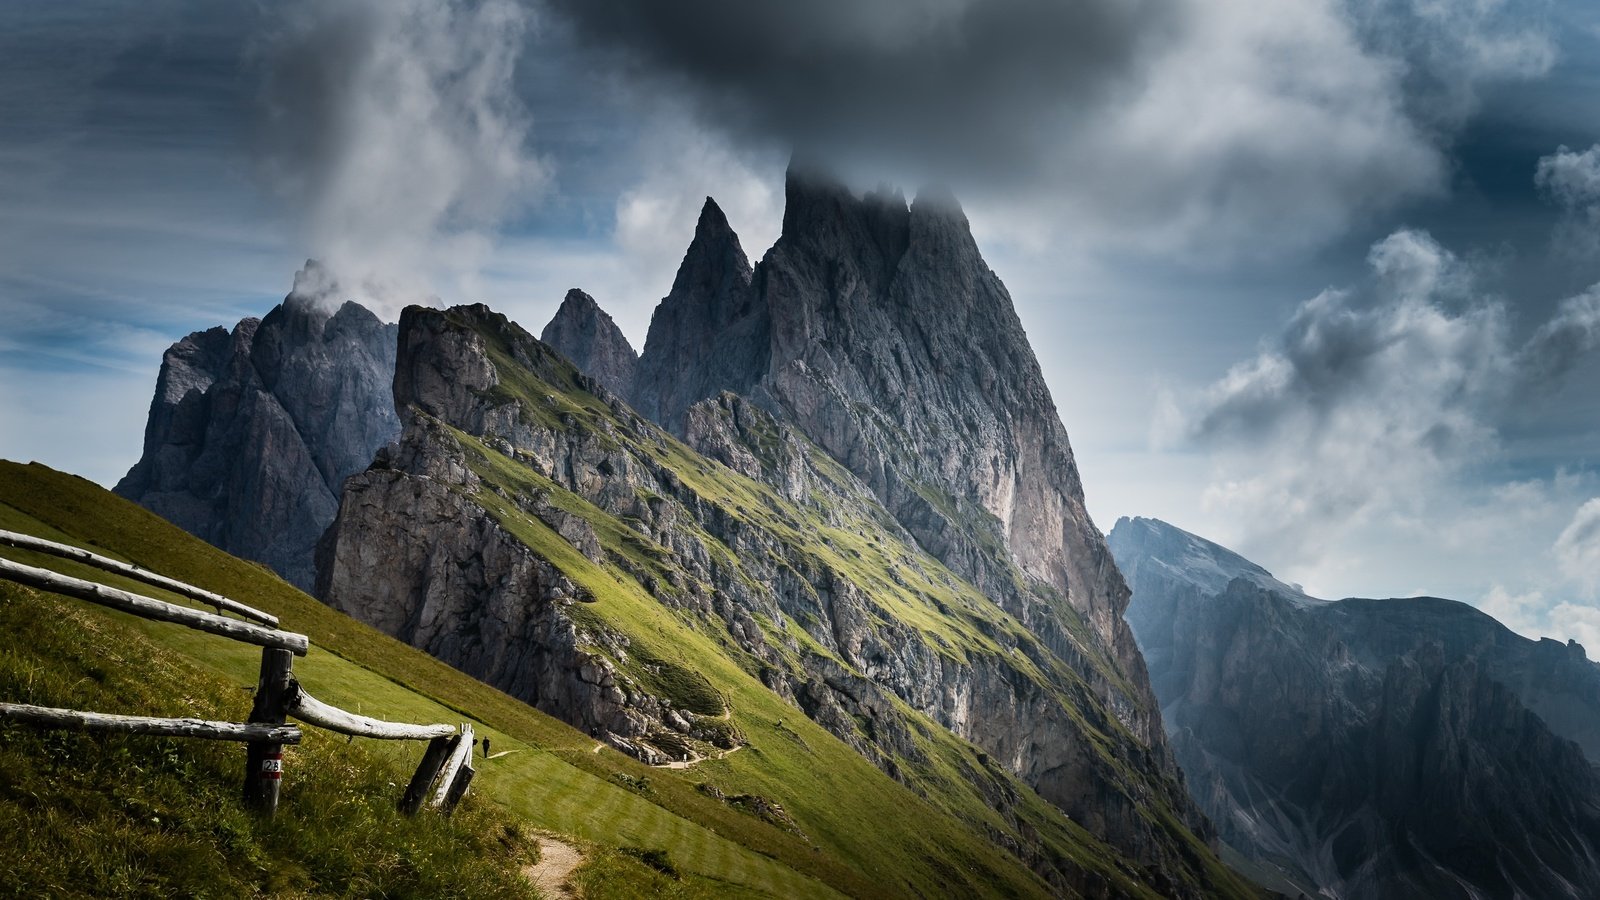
{"x": 1315, "y": 284}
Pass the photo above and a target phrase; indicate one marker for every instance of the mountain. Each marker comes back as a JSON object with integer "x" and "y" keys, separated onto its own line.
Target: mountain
{"x": 861, "y": 532}
{"x": 879, "y": 332}
{"x": 252, "y": 432}
{"x": 756, "y": 824}
{"x": 696, "y": 600}
{"x": 709, "y": 334}
{"x": 585, "y": 334}
{"x": 1369, "y": 748}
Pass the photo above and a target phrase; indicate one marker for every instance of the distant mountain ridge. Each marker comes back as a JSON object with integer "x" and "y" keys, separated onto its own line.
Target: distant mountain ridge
{"x": 1369, "y": 748}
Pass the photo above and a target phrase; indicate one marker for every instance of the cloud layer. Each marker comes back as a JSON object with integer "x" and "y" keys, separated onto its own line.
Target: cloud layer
{"x": 1373, "y": 403}
{"x": 1096, "y": 115}
{"x": 393, "y": 133}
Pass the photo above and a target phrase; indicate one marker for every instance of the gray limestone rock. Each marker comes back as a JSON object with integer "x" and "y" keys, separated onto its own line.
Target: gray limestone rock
{"x": 710, "y": 334}
{"x": 877, "y": 329}
{"x": 252, "y": 433}
{"x": 585, "y": 334}
{"x": 1031, "y": 711}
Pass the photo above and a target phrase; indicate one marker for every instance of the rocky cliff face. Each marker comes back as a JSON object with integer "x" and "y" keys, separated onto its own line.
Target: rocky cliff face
{"x": 1368, "y": 748}
{"x": 585, "y": 334}
{"x": 551, "y": 514}
{"x": 252, "y": 433}
{"x": 710, "y": 334}
{"x": 877, "y": 329}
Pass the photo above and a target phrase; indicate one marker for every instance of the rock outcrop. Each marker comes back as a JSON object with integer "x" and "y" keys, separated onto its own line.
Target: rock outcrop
{"x": 252, "y": 433}
{"x": 710, "y": 334}
{"x": 1368, "y": 748}
{"x": 525, "y": 473}
{"x": 585, "y": 334}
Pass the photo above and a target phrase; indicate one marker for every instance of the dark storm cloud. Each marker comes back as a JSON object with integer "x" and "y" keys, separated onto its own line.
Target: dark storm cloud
{"x": 1178, "y": 124}
{"x": 948, "y": 77}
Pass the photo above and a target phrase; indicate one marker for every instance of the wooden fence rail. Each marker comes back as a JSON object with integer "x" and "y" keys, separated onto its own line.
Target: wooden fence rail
{"x": 151, "y": 608}
{"x": 78, "y": 554}
{"x": 76, "y": 720}
{"x": 447, "y": 762}
{"x": 312, "y": 711}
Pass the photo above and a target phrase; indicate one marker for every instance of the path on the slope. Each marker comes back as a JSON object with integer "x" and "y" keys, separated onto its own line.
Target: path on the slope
{"x": 555, "y": 865}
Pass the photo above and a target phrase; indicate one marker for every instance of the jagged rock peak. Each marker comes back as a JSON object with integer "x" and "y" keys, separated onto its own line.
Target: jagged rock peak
{"x": 712, "y": 317}
{"x": 877, "y": 329}
{"x": 586, "y": 334}
{"x": 1206, "y": 565}
{"x": 874, "y": 229}
{"x": 715, "y": 263}
{"x": 252, "y": 433}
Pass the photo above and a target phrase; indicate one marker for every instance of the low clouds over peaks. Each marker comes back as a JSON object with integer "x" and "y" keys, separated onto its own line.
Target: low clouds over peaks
{"x": 393, "y": 134}
{"x": 1090, "y": 115}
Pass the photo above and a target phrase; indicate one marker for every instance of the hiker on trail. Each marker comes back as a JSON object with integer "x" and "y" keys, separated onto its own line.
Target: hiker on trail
{"x": 486, "y": 747}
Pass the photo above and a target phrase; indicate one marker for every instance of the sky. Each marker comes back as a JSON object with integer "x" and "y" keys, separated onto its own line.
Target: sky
{"x": 1319, "y": 281}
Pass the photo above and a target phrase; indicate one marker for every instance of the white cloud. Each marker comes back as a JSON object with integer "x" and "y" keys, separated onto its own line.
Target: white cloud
{"x": 1524, "y": 613}
{"x": 1294, "y": 131}
{"x": 1378, "y": 408}
{"x": 1572, "y": 180}
{"x": 1577, "y": 549}
{"x": 1560, "y": 343}
{"x": 1572, "y": 621}
{"x": 1534, "y": 615}
{"x": 394, "y": 131}
{"x": 656, "y": 215}
{"x": 1449, "y": 48}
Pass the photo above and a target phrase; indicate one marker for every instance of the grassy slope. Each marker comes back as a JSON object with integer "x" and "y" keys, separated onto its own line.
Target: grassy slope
{"x": 880, "y": 839}
{"x": 124, "y": 815}
{"x": 552, "y": 779}
{"x": 837, "y": 797}
{"x": 904, "y": 584}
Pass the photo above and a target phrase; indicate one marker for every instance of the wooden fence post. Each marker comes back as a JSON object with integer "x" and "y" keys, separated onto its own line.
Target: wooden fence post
{"x": 264, "y": 760}
{"x": 458, "y": 788}
{"x": 457, "y": 771}
{"x": 427, "y": 773}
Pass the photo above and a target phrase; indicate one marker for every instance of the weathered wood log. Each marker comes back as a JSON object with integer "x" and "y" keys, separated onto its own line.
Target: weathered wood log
{"x": 151, "y": 608}
{"x": 427, "y": 773}
{"x": 263, "y": 767}
{"x": 77, "y": 720}
{"x": 78, "y": 554}
{"x": 312, "y": 711}
{"x": 460, "y": 756}
{"x": 458, "y": 787}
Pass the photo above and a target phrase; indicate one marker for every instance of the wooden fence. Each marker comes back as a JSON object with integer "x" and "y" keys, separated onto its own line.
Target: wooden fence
{"x": 440, "y": 780}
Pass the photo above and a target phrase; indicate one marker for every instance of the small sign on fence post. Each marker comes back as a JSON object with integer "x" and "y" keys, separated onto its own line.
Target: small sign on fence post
{"x": 263, "y": 776}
